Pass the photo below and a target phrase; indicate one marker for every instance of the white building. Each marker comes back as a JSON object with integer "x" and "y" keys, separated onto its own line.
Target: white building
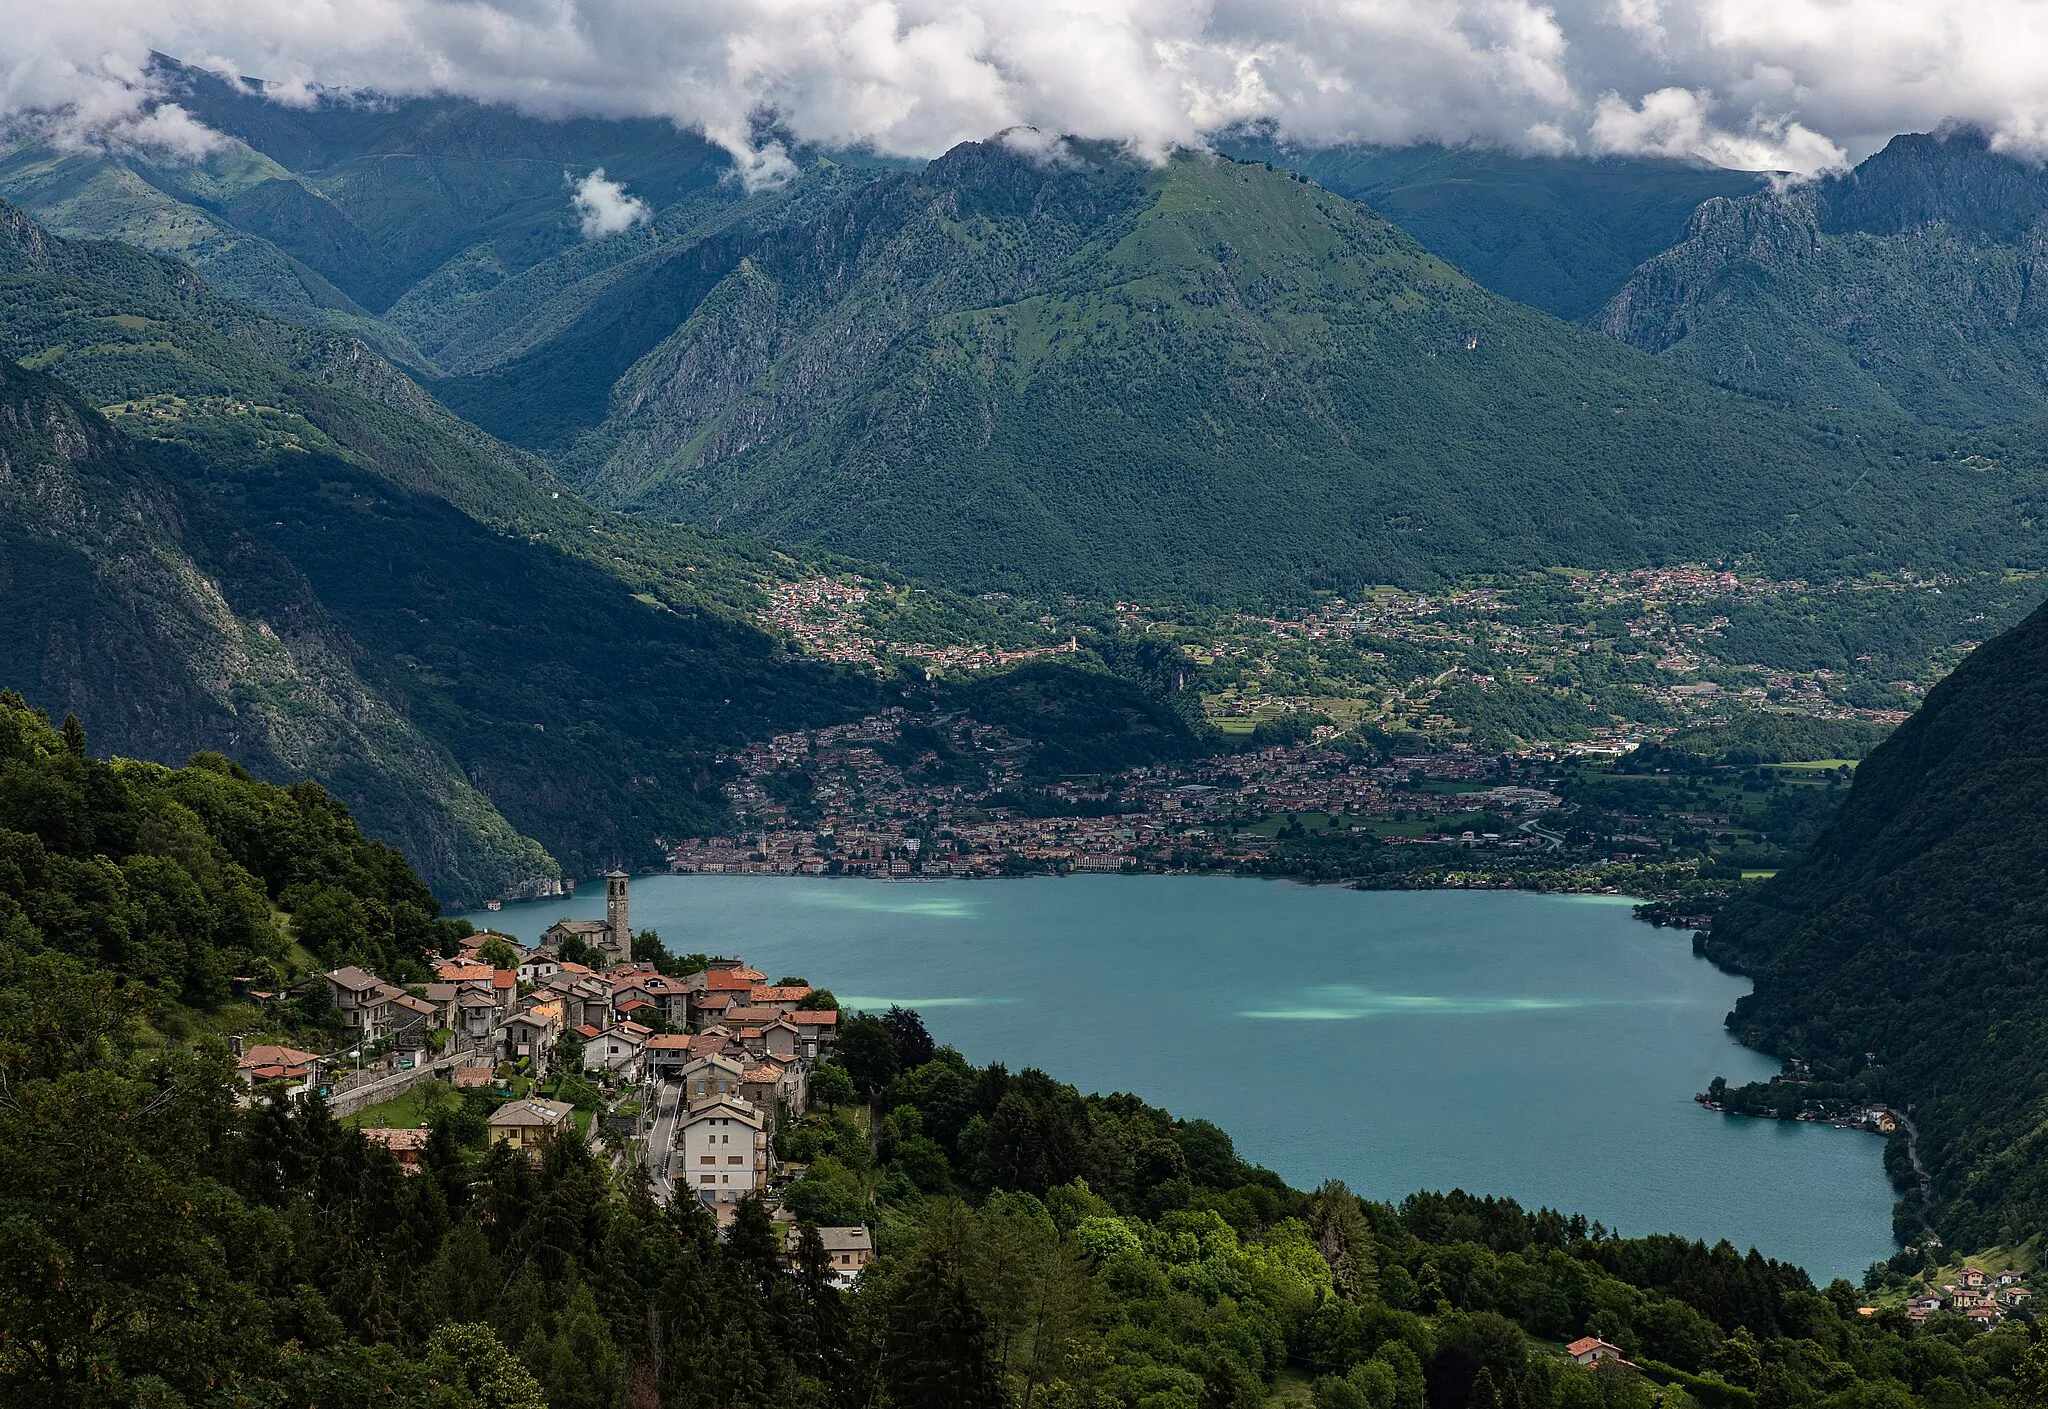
{"x": 724, "y": 1146}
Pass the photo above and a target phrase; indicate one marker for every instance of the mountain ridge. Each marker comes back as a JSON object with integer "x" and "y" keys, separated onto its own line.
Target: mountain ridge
{"x": 1205, "y": 377}
{"x": 1909, "y": 287}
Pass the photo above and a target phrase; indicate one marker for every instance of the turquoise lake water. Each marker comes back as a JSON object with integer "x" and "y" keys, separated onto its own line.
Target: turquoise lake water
{"x": 1544, "y": 1047}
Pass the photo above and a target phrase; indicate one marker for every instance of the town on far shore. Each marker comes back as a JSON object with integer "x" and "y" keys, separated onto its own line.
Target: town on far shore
{"x": 692, "y": 1074}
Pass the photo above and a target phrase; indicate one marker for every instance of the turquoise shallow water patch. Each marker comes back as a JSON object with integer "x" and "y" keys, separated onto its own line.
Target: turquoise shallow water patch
{"x": 887, "y": 900}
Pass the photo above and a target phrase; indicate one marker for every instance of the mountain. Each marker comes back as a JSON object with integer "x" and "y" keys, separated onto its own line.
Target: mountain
{"x": 133, "y": 602}
{"x": 1562, "y": 234}
{"x": 1202, "y": 379}
{"x": 1910, "y": 286}
{"x": 578, "y": 671}
{"x": 1903, "y": 957}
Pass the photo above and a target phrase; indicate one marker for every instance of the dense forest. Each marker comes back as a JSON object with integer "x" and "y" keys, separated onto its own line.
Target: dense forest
{"x": 1900, "y": 958}
{"x": 169, "y": 1244}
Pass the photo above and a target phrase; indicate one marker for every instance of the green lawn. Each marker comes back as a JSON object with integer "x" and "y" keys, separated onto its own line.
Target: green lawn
{"x": 404, "y": 1111}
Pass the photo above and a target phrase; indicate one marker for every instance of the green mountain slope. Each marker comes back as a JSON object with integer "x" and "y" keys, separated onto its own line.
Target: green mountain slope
{"x": 1916, "y": 930}
{"x": 1208, "y": 378}
{"x": 1909, "y": 286}
{"x": 1561, "y": 234}
{"x": 569, "y": 664}
{"x": 132, "y": 601}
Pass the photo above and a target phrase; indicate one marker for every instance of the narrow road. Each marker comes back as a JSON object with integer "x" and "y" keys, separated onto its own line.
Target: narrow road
{"x": 1919, "y": 1169}
{"x": 661, "y": 1138}
{"x": 1554, "y": 838}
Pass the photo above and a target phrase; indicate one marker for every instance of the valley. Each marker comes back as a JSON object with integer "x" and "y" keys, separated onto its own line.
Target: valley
{"x": 1491, "y": 643}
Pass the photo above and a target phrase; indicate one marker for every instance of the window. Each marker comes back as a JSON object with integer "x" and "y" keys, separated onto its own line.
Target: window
{"x": 734, "y": 1159}
{"x": 707, "y": 1159}
{"x": 711, "y": 1179}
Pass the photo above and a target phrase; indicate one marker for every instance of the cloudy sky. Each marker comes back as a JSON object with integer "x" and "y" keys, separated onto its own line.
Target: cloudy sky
{"x": 1790, "y": 84}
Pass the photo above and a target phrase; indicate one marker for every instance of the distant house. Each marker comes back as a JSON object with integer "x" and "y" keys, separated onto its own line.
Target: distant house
{"x": 267, "y": 1062}
{"x": 362, "y": 999}
{"x": 847, "y": 1249}
{"x": 531, "y": 1036}
{"x": 773, "y": 1086}
{"x": 472, "y": 1078}
{"x": 665, "y": 1056}
{"x": 818, "y": 1028}
{"x": 405, "y": 1144}
{"x": 410, "y": 1019}
{"x": 710, "y": 1076}
{"x": 617, "y": 1048}
{"x": 781, "y": 1038}
{"x": 529, "y": 1122}
{"x": 724, "y": 1148}
{"x": 476, "y": 1017}
{"x": 1591, "y": 1350}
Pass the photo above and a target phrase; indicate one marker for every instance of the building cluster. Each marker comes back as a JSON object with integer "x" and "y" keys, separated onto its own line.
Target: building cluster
{"x": 724, "y": 1055}
{"x": 824, "y": 616}
{"x": 865, "y": 815}
{"x": 1980, "y": 1296}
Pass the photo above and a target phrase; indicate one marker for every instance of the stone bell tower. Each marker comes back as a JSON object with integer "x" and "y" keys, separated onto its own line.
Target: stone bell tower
{"x": 618, "y": 940}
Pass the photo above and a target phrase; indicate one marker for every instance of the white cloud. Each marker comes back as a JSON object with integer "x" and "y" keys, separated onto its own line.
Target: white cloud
{"x": 1676, "y": 122}
{"x": 1782, "y": 83}
{"x": 604, "y": 208}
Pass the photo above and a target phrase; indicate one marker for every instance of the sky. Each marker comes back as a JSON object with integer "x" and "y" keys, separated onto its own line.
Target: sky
{"x": 1796, "y": 85}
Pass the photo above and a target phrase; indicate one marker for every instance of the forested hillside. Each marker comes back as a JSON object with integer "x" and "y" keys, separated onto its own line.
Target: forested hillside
{"x": 1902, "y": 957}
{"x": 569, "y": 670}
{"x": 1905, "y": 287}
{"x": 172, "y": 1246}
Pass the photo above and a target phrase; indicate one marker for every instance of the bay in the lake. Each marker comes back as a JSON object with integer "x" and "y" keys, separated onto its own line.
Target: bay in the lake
{"x": 1544, "y": 1047}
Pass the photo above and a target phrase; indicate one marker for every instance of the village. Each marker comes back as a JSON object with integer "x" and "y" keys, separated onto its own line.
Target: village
{"x": 858, "y": 813}
{"x": 694, "y": 1075}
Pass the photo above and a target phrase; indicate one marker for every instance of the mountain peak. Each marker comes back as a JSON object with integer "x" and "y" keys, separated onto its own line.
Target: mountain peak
{"x": 1954, "y": 175}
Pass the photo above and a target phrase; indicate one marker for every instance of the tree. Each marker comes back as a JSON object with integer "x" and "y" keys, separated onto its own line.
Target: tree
{"x": 936, "y": 1355}
{"x": 831, "y": 1086}
{"x": 914, "y": 1046}
{"x": 867, "y": 1049}
{"x": 498, "y": 954}
{"x": 471, "y": 1356}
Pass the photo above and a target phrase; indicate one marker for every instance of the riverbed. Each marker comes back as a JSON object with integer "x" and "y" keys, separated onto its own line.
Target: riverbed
{"x": 1544, "y": 1047}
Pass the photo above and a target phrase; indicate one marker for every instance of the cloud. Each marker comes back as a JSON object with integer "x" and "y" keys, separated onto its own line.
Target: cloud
{"x": 1796, "y": 84}
{"x": 605, "y": 208}
{"x": 1676, "y": 122}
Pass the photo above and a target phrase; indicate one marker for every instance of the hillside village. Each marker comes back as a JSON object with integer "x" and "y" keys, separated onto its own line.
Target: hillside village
{"x": 692, "y": 1074}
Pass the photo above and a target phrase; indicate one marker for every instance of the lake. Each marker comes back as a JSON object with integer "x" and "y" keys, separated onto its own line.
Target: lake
{"x": 1544, "y": 1047}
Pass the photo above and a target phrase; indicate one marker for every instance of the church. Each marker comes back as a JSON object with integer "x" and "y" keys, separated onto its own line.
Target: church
{"x": 612, "y": 936}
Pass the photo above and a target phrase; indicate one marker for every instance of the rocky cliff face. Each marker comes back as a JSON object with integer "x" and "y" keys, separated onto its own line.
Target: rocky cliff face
{"x": 1911, "y": 286}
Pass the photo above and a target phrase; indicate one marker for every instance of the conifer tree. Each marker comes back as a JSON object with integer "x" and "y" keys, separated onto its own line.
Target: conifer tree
{"x": 937, "y": 1351}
